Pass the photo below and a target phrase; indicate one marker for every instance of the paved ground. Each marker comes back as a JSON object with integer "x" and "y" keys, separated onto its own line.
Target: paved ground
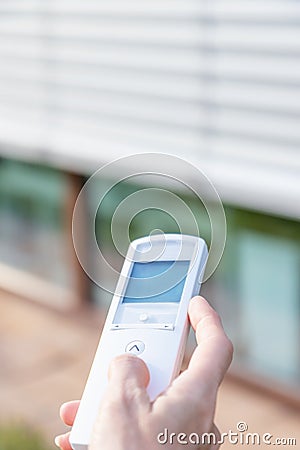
{"x": 45, "y": 357}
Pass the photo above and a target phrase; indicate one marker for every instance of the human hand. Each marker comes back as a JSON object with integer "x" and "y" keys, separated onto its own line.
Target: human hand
{"x": 127, "y": 420}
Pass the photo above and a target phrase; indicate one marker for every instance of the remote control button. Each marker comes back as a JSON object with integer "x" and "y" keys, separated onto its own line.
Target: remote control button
{"x": 135, "y": 347}
{"x": 143, "y": 317}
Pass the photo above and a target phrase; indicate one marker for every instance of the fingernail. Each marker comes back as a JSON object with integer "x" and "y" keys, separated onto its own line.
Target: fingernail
{"x": 57, "y": 441}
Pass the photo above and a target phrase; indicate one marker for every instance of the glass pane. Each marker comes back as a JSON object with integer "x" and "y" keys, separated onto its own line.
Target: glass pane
{"x": 269, "y": 310}
{"x": 31, "y": 226}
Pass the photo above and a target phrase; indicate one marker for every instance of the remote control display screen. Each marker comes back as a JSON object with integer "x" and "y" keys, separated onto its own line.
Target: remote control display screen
{"x": 156, "y": 282}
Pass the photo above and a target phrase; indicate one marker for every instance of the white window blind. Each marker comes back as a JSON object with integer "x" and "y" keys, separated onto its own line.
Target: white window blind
{"x": 217, "y": 82}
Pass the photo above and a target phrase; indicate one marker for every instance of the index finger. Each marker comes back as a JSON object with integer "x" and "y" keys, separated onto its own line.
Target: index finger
{"x": 210, "y": 359}
{"x": 213, "y": 354}
{"x": 194, "y": 390}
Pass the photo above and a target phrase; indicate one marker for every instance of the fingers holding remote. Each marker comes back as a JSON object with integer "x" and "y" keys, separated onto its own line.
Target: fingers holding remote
{"x": 187, "y": 405}
{"x": 62, "y": 441}
{"x": 67, "y": 413}
{"x": 126, "y": 396}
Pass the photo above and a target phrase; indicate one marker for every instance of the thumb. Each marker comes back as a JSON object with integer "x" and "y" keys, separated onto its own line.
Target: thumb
{"x": 128, "y": 378}
{"x": 124, "y": 403}
{"x": 128, "y": 369}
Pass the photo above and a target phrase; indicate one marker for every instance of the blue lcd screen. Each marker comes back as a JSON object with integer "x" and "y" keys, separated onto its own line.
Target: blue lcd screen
{"x": 156, "y": 282}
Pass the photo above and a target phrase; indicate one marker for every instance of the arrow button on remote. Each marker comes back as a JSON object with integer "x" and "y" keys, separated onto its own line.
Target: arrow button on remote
{"x": 135, "y": 347}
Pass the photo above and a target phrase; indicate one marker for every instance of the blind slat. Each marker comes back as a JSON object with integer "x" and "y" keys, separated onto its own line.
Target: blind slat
{"x": 221, "y": 9}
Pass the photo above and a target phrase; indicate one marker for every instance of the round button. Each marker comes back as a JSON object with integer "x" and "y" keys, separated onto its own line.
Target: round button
{"x": 143, "y": 317}
{"x": 135, "y": 347}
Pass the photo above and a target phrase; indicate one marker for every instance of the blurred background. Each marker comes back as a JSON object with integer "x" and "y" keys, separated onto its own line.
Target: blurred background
{"x": 81, "y": 83}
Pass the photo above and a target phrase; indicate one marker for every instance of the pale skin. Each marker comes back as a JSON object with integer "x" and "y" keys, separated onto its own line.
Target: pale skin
{"x": 127, "y": 420}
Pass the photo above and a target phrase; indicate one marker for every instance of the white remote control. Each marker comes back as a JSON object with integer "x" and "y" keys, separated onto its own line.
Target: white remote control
{"x": 147, "y": 317}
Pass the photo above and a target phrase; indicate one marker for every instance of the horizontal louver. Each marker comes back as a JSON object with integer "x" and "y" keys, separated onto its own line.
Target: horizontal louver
{"x": 217, "y": 82}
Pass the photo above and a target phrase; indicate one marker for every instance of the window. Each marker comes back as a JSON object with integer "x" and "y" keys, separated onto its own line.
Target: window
{"x": 216, "y": 82}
